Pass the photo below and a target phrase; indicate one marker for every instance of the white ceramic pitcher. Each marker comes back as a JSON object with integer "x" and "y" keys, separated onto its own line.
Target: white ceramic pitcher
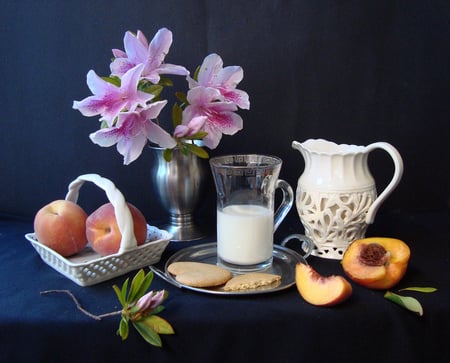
{"x": 336, "y": 196}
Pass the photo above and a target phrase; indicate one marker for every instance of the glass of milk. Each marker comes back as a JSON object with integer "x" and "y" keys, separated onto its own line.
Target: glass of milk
{"x": 246, "y": 220}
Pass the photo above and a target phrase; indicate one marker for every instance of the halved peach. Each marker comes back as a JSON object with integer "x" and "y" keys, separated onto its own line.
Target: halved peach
{"x": 319, "y": 290}
{"x": 376, "y": 262}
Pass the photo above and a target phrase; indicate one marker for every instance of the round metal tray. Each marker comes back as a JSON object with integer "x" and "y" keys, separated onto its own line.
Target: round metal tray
{"x": 284, "y": 261}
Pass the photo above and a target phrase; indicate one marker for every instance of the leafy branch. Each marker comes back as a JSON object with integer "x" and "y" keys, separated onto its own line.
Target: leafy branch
{"x": 138, "y": 307}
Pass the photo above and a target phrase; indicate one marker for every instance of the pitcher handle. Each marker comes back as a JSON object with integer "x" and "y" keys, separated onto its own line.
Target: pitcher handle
{"x": 307, "y": 243}
{"x": 286, "y": 203}
{"x": 398, "y": 172}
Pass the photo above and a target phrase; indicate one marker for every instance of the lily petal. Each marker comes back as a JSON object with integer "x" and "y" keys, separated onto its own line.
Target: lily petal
{"x": 230, "y": 76}
{"x": 158, "y": 135}
{"x": 213, "y": 138}
{"x": 138, "y": 51}
{"x": 211, "y": 66}
{"x": 135, "y": 48}
{"x": 108, "y": 100}
{"x": 212, "y": 74}
{"x": 203, "y": 95}
{"x": 154, "y": 132}
{"x": 129, "y": 90}
{"x": 127, "y": 135}
{"x": 135, "y": 53}
{"x": 221, "y": 118}
{"x": 117, "y": 53}
{"x": 120, "y": 66}
{"x": 105, "y": 137}
{"x": 167, "y": 68}
{"x": 158, "y": 48}
{"x": 131, "y": 148}
{"x": 132, "y": 131}
{"x": 225, "y": 123}
{"x": 237, "y": 96}
{"x": 105, "y": 100}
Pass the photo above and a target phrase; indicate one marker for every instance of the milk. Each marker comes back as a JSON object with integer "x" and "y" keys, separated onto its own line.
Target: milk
{"x": 245, "y": 234}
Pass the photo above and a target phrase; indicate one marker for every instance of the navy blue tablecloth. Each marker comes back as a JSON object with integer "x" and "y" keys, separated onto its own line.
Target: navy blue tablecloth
{"x": 277, "y": 327}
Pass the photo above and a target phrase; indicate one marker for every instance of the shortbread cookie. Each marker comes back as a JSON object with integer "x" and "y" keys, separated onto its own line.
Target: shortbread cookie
{"x": 197, "y": 274}
{"x": 251, "y": 280}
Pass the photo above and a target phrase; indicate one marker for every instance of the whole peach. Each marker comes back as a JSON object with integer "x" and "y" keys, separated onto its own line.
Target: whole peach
{"x": 103, "y": 233}
{"x": 61, "y": 226}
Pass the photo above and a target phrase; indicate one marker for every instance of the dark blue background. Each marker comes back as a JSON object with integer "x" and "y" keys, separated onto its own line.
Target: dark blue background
{"x": 348, "y": 71}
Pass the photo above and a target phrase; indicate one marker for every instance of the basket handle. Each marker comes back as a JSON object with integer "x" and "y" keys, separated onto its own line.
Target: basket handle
{"x": 121, "y": 210}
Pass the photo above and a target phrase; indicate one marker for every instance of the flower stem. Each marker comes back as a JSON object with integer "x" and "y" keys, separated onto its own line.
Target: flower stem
{"x": 79, "y": 307}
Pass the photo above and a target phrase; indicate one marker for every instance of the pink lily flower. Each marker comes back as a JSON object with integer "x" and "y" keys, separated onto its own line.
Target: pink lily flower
{"x": 191, "y": 128}
{"x": 108, "y": 100}
{"x": 212, "y": 74}
{"x": 221, "y": 118}
{"x": 138, "y": 51}
{"x": 132, "y": 131}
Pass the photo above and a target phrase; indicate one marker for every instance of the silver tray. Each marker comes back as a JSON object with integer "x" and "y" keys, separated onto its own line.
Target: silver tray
{"x": 284, "y": 261}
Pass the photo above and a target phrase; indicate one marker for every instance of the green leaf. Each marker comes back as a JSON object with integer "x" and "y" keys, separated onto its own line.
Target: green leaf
{"x": 197, "y": 150}
{"x": 123, "y": 329}
{"x": 197, "y": 136}
{"x": 177, "y": 114}
{"x": 165, "y": 82}
{"x": 145, "y": 284}
{"x": 125, "y": 289}
{"x": 406, "y": 302}
{"x": 420, "y": 289}
{"x": 196, "y": 73}
{"x": 158, "y": 324}
{"x": 135, "y": 286}
{"x": 113, "y": 80}
{"x": 167, "y": 154}
{"x": 157, "y": 310}
{"x": 154, "y": 89}
{"x": 182, "y": 97}
{"x": 184, "y": 150}
{"x": 120, "y": 296}
{"x": 149, "y": 335}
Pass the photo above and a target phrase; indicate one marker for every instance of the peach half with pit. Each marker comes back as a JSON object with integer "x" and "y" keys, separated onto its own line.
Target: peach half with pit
{"x": 320, "y": 290}
{"x": 376, "y": 262}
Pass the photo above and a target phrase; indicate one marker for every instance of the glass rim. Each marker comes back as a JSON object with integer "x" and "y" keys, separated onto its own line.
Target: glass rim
{"x": 219, "y": 161}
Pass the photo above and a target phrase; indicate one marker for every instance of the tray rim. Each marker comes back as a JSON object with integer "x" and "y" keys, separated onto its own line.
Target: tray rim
{"x": 214, "y": 291}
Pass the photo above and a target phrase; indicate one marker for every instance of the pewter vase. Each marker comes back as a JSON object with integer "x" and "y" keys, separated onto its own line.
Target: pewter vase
{"x": 178, "y": 185}
{"x": 336, "y": 195}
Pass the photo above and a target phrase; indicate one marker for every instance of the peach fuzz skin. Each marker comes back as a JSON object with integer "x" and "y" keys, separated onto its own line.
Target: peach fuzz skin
{"x": 60, "y": 225}
{"x": 319, "y": 290}
{"x": 103, "y": 233}
{"x": 377, "y": 273}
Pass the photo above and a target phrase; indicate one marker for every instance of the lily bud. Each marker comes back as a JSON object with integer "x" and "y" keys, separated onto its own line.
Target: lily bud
{"x": 150, "y": 301}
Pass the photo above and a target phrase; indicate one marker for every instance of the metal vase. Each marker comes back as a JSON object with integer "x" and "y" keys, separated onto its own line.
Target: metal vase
{"x": 178, "y": 185}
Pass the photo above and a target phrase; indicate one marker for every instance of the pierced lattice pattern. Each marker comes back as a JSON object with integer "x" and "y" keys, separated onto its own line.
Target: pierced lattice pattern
{"x": 333, "y": 220}
{"x": 88, "y": 268}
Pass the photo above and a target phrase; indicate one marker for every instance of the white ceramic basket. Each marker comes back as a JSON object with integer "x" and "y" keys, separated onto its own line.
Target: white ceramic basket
{"x": 87, "y": 267}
